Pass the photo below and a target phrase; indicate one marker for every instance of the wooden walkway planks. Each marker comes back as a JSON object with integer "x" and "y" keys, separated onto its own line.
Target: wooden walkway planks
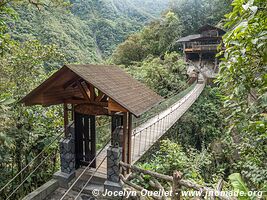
{"x": 145, "y": 135}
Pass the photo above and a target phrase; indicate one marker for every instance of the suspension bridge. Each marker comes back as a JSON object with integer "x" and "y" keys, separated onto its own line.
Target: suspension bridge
{"x": 102, "y": 169}
{"x": 143, "y": 138}
{"x": 146, "y": 134}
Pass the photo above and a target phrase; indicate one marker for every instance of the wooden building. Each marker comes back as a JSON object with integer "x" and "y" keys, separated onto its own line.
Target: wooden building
{"x": 86, "y": 91}
{"x": 201, "y": 48}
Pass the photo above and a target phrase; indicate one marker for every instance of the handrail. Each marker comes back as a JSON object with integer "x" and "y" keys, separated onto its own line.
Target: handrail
{"x": 180, "y": 103}
{"x": 13, "y": 192}
{"x": 162, "y": 122}
{"x": 140, "y": 121}
{"x": 90, "y": 178}
{"x": 87, "y": 167}
{"x": 183, "y": 182}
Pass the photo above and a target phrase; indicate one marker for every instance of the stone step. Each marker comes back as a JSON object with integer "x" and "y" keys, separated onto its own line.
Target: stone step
{"x": 98, "y": 177}
{"x": 89, "y": 188}
{"x": 57, "y": 194}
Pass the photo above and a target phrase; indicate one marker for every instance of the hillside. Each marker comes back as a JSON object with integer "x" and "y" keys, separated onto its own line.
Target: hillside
{"x": 89, "y": 30}
{"x": 218, "y": 144}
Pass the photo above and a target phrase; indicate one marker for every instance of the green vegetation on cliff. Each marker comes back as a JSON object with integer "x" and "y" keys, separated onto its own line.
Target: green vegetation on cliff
{"x": 224, "y": 132}
{"x": 87, "y": 32}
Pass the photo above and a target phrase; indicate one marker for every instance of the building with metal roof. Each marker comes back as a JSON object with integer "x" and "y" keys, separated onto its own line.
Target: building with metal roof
{"x": 201, "y": 48}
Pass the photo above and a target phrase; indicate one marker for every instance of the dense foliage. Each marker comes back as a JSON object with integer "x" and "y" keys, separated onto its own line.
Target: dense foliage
{"x": 87, "y": 32}
{"x": 26, "y": 131}
{"x": 184, "y": 18}
{"x": 196, "y": 13}
{"x": 232, "y": 136}
{"x": 155, "y": 39}
{"x": 243, "y": 81}
{"x": 167, "y": 76}
{"x": 223, "y": 135}
{"x": 197, "y": 139}
{"x": 36, "y": 38}
{"x": 202, "y": 125}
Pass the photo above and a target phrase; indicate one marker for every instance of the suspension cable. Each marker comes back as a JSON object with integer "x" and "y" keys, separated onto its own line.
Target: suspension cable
{"x": 169, "y": 97}
{"x": 36, "y": 157}
{"x": 90, "y": 179}
{"x": 29, "y": 175}
{"x": 24, "y": 168}
{"x": 87, "y": 167}
{"x": 186, "y": 96}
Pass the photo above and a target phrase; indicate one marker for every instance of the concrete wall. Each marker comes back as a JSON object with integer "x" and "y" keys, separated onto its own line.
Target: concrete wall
{"x": 43, "y": 191}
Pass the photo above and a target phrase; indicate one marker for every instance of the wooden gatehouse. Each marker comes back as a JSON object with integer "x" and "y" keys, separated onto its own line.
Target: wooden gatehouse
{"x": 86, "y": 91}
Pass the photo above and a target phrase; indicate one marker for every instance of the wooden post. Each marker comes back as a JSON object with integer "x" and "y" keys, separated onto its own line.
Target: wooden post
{"x": 129, "y": 156}
{"x": 185, "y": 55}
{"x": 200, "y": 60}
{"x": 93, "y": 139}
{"x": 116, "y": 120}
{"x": 72, "y": 112}
{"x": 125, "y": 134}
{"x": 176, "y": 186}
{"x": 66, "y": 120}
{"x": 216, "y": 65}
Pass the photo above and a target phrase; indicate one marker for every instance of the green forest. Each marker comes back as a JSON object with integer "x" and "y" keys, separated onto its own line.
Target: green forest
{"x": 222, "y": 137}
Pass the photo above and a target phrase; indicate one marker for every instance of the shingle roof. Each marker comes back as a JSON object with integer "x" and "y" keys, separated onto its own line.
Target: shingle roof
{"x": 111, "y": 80}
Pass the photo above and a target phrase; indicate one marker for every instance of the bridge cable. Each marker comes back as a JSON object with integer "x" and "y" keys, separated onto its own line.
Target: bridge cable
{"x": 153, "y": 114}
{"x": 90, "y": 179}
{"x": 186, "y": 96}
{"x": 87, "y": 167}
{"x": 24, "y": 168}
{"x": 29, "y": 175}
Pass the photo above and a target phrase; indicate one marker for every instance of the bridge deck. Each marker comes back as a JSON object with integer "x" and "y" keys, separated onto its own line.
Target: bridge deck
{"x": 145, "y": 135}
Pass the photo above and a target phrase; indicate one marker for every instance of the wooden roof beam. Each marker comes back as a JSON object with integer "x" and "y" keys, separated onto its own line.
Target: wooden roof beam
{"x": 92, "y": 91}
{"x": 71, "y": 82}
{"x": 85, "y": 92}
{"x": 114, "y": 106}
{"x": 100, "y": 96}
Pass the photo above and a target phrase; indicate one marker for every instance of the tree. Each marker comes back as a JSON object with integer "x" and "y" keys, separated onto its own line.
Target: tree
{"x": 22, "y": 66}
{"x": 27, "y": 130}
{"x": 195, "y": 13}
{"x": 129, "y": 51}
{"x": 243, "y": 82}
{"x": 8, "y": 15}
{"x": 167, "y": 76}
{"x": 155, "y": 39}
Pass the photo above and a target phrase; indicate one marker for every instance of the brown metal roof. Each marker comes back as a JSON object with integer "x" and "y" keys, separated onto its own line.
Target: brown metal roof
{"x": 210, "y": 27}
{"x": 189, "y": 38}
{"x": 200, "y": 36}
{"x": 111, "y": 80}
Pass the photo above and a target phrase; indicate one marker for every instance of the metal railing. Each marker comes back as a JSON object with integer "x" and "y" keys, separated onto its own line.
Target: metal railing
{"x": 202, "y": 47}
{"x": 85, "y": 170}
{"x": 144, "y": 136}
